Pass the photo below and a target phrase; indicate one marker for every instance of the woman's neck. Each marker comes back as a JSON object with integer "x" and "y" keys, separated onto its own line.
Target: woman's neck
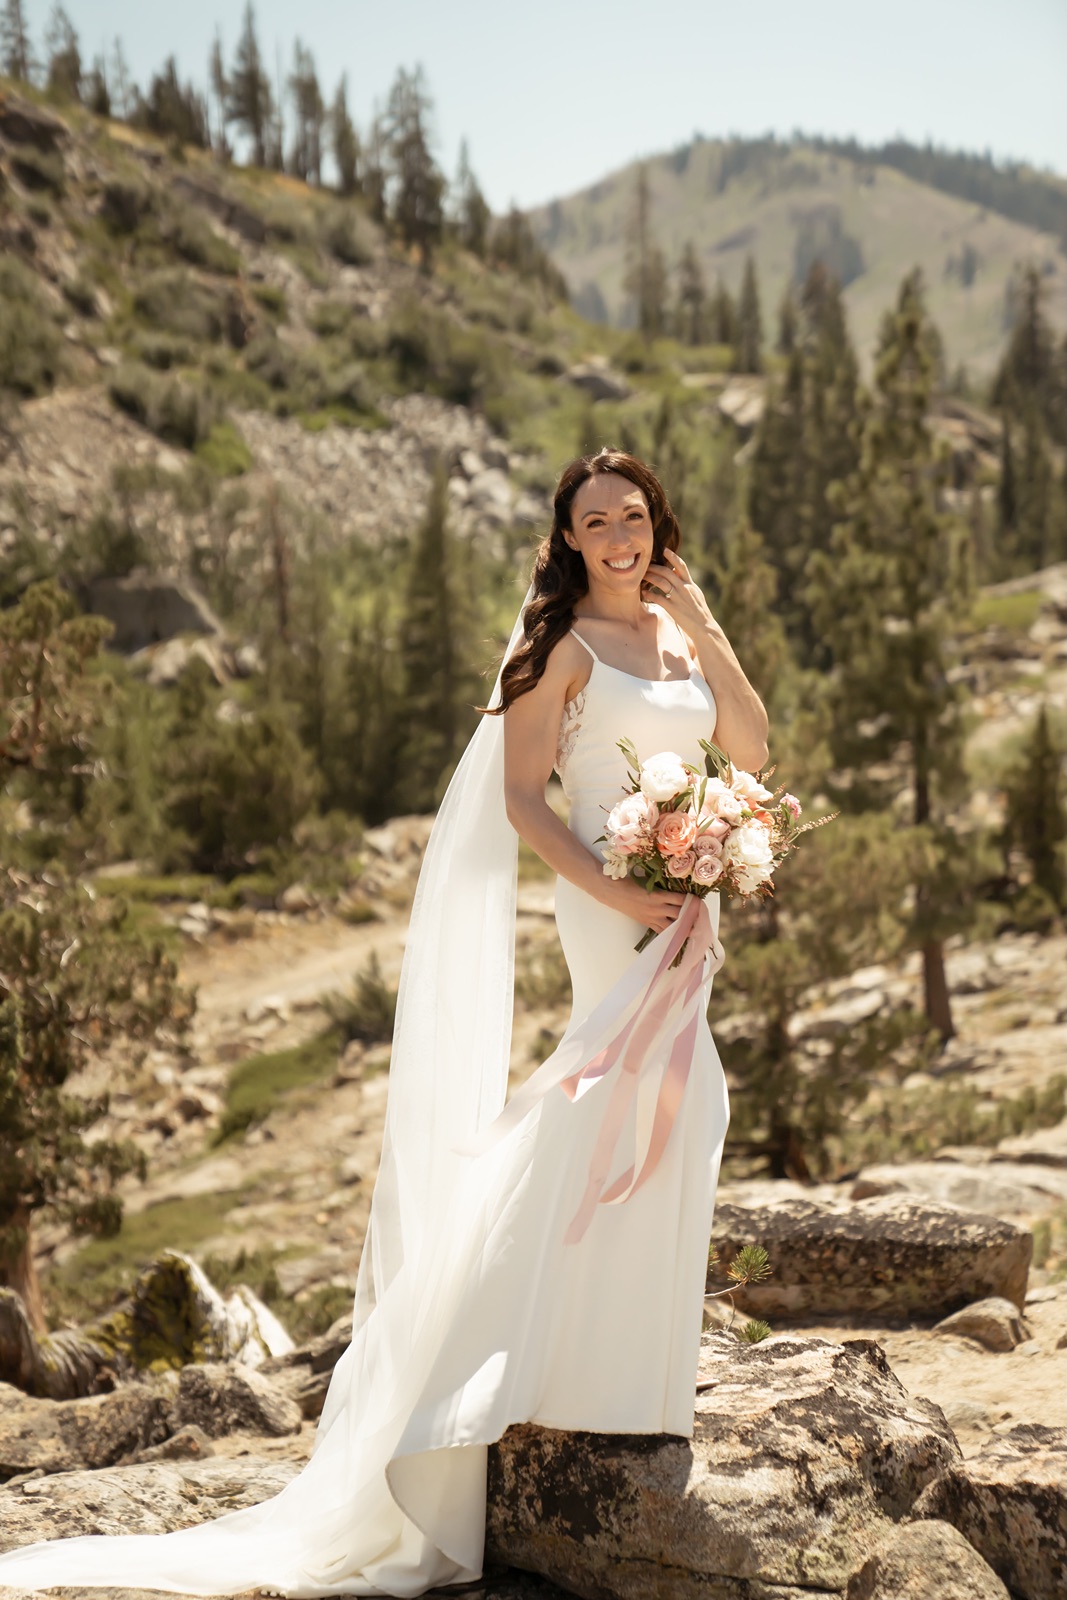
{"x": 628, "y": 610}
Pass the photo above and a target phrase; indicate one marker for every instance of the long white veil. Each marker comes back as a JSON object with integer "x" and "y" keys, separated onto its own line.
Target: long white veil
{"x": 448, "y": 1078}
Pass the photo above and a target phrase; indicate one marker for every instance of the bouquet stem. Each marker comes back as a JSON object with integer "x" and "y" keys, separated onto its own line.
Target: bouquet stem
{"x": 647, "y": 938}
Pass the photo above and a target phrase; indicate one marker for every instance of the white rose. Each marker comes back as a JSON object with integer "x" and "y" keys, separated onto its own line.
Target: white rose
{"x": 749, "y": 787}
{"x": 664, "y": 776}
{"x": 729, "y": 806}
{"x": 748, "y": 852}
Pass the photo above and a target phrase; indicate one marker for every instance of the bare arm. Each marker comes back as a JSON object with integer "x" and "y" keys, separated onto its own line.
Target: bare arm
{"x": 531, "y": 733}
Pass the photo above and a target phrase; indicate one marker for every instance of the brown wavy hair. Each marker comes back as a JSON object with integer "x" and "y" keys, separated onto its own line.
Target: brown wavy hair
{"x": 559, "y": 575}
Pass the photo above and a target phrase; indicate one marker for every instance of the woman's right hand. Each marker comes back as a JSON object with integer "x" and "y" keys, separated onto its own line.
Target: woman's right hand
{"x": 653, "y": 908}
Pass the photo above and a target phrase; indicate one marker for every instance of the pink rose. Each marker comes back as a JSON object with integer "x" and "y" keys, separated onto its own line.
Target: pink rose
{"x": 681, "y": 866}
{"x": 712, "y": 790}
{"x": 708, "y": 844}
{"x": 729, "y": 806}
{"x": 708, "y": 870}
{"x": 718, "y": 828}
{"x": 792, "y": 803}
{"x": 676, "y": 833}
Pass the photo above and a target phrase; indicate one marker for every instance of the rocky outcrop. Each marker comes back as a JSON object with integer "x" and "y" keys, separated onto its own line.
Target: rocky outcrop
{"x": 1010, "y": 1503}
{"x": 890, "y": 1255}
{"x": 598, "y": 380}
{"x": 49, "y": 1436}
{"x": 994, "y": 1323}
{"x": 21, "y": 122}
{"x": 803, "y": 1454}
{"x": 173, "y": 1317}
{"x": 147, "y": 607}
{"x": 925, "y": 1561}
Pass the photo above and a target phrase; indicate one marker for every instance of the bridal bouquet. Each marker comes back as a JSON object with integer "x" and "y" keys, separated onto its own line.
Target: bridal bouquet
{"x": 679, "y": 828}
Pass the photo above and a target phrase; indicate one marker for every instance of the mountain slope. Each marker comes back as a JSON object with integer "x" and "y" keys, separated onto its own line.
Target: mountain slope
{"x": 786, "y": 203}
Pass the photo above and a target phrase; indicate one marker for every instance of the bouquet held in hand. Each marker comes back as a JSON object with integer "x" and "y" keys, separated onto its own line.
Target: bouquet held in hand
{"x": 679, "y": 828}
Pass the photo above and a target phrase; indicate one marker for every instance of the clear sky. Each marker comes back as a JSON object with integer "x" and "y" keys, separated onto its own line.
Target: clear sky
{"x": 552, "y": 94}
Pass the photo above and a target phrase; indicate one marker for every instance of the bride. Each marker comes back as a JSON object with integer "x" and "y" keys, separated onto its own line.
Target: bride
{"x": 546, "y": 1262}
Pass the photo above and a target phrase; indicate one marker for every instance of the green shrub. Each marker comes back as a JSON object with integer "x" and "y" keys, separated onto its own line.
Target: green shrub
{"x": 31, "y": 347}
{"x": 161, "y": 352}
{"x": 125, "y": 203}
{"x": 39, "y": 169}
{"x": 191, "y": 236}
{"x": 368, "y": 1011}
{"x": 348, "y": 236}
{"x": 259, "y": 1084}
{"x": 272, "y": 298}
{"x": 173, "y": 301}
{"x": 169, "y": 408}
{"x": 433, "y": 352}
{"x": 225, "y": 451}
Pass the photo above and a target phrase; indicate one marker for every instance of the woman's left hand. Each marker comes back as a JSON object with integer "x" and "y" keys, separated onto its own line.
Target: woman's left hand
{"x": 671, "y": 586}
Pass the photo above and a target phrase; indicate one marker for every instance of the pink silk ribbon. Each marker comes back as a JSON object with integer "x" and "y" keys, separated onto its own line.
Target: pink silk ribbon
{"x": 650, "y": 1054}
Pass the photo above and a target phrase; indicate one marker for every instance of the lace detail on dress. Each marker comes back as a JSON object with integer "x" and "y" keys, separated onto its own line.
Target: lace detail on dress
{"x": 569, "y": 727}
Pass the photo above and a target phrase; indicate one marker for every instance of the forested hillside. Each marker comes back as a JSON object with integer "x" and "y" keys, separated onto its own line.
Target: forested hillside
{"x": 277, "y": 437}
{"x": 870, "y": 214}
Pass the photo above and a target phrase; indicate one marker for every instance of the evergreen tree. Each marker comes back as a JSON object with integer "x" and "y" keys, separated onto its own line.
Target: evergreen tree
{"x": 748, "y": 351}
{"x": 344, "y": 141}
{"x": 120, "y": 84}
{"x": 472, "y": 210}
{"x": 305, "y": 156}
{"x": 1036, "y": 809}
{"x": 63, "y": 62}
{"x": 434, "y": 643}
{"x": 375, "y": 175}
{"x": 806, "y": 441}
{"x": 722, "y": 315}
{"x": 416, "y": 182}
{"x": 1007, "y": 504}
{"x": 1029, "y": 369}
{"x": 888, "y": 596}
{"x": 646, "y": 268}
{"x": 16, "y": 51}
{"x": 220, "y": 94}
{"x": 250, "y": 103}
{"x": 173, "y": 110}
{"x": 691, "y": 316}
{"x": 787, "y": 324}
{"x": 97, "y": 90}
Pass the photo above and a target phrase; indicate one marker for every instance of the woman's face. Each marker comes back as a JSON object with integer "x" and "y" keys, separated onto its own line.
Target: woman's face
{"x": 612, "y": 530}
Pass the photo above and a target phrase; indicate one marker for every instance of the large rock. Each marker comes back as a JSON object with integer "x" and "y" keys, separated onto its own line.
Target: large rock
{"x": 598, "y": 380}
{"x": 21, "y": 122}
{"x": 890, "y": 1255}
{"x": 1013, "y": 1191}
{"x": 926, "y": 1561}
{"x": 804, "y": 1454}
{"x": 1010, "y": 1503}
{"x": 172, "y": 1317}
{"x": 50, "y": 1436}
{"x": 146, "y": 607}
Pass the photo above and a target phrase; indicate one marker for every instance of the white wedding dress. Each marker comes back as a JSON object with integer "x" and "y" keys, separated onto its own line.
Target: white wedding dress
{"x": 501, "y": 1320}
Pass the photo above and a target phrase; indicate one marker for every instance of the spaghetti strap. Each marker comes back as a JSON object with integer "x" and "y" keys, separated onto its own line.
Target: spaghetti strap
{"x": 576, "y": 635}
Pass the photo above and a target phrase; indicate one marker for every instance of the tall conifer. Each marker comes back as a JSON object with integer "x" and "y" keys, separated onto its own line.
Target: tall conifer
{"x": 16, "y": 52}
{"x": 251, "y": 103}
{"x": 748, "y": 351}
{"x": 888, "y": 596}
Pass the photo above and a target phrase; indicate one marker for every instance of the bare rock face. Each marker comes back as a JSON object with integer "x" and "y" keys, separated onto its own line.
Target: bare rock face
{"x": 994, "y": 1323}
{"x": 804, "y": 1454}
{"x": 147, "y": 607}
{"x": 1010, "y": 1503}
{"x": 888, "y": 1255}
{"x": 152, "y": 1498}
{"x": 49, "y": 1436}
{"x": 926, "y": 1561}
{"x": 21, "y": 122}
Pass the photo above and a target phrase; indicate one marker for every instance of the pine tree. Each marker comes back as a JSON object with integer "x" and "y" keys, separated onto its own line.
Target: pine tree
{"x": 172, "y": 109}
{"x": 344, "y": 141}
{"x": 434, "y": 643}
{"x": 417, "y": 184}
{"x": 305, "y": 156}
{"x": 691, "y": 316}
{"x": 748, "y": 351}
{"x": 375, "y": 175}
{"x": 250, "y": 103}
{"x": 1029, "y": 370}
{"x": 220, "y": 93}
{"x": 97, "y": 90}
{"x": 787, "y": 324}
{"x": 120, "y": 83}
{"x": 805, "y": 441}
{"x": 472, "y": 210}
{"x": 889, "y": 595}
{"x": 646, "y": 268}
{"x": 63, "y": 62}
{"x": 1036, "y": 812}
{"x": 16, "y": 51}
{"x": 722, "y": 315}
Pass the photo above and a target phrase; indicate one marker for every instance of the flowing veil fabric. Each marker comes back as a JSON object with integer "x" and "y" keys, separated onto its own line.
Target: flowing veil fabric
{"x": 392, "y": 1501}
{"x": 448, "y": 1078}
